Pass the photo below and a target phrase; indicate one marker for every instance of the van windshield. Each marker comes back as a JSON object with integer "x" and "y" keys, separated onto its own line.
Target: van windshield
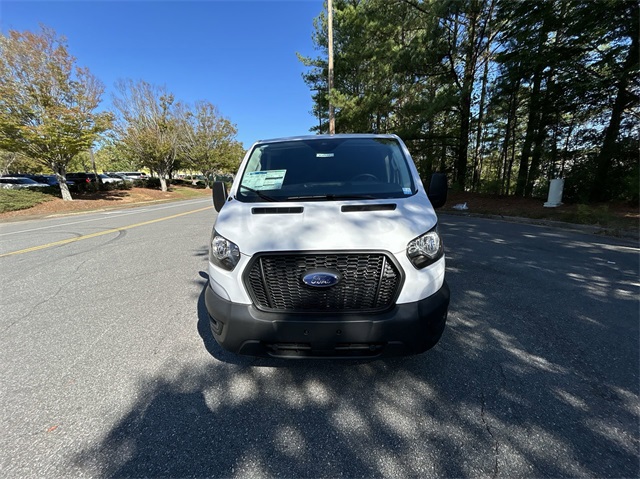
{"x": 326, "y": 169}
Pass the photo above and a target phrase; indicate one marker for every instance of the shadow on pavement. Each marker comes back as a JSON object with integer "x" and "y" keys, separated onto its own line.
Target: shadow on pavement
{"x": 536, "y": 375}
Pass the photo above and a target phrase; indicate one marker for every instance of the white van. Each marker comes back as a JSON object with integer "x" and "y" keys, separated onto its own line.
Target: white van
{"x": 327, "y": 246}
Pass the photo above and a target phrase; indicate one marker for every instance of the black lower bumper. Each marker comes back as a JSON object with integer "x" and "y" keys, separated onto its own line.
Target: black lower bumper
{"x": 409, "y": 328}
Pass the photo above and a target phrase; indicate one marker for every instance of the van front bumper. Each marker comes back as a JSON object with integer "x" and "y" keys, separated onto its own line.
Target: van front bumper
{"x": 409, "y": 328}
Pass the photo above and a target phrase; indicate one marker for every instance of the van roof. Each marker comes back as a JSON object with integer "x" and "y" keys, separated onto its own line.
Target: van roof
{"x": 325, "y": 137}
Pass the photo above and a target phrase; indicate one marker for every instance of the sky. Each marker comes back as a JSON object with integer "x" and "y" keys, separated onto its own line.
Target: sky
{"x": 239, "y": 55}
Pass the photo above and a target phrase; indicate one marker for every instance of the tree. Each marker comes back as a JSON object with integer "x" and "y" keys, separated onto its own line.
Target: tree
{"x": 149, "y": 125}
{"x": 113, "y": 156}
{"x": 12, "y": 162}
{"x": 467, "y": 25}
{"x": 624, "y": 100}
{"x": 533, "y": 89}
{"x": 85, "y": 162}
{"x": 7, "y": 160}
{"x": 208, "y": 141}
{"x": 363, "y": 86}
{"x": 47, "y": 104}
{"x": 408, "y": 67}
{"x": 571, "y": 60}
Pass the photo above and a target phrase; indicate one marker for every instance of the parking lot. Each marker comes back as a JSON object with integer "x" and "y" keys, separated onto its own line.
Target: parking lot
{"x": 108, "y": 367}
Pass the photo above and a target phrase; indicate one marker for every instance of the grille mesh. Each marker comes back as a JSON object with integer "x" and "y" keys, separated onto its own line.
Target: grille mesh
{"x": 369, "y": 281}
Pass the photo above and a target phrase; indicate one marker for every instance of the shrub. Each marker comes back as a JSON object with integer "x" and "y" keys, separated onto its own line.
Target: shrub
{"x": 148, "y": 183}
{"x": 586, "y": 214}
{"x": 491, "y": 187}
{"x": 631, "y": 187}
{"x": 541, "y": 189}
{"x": 20, "y": 199}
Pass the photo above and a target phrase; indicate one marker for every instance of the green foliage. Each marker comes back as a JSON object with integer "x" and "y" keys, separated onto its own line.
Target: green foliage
{"x": 125, "y": 185}
{"x": 14, "y": 162}
{"x": 492, "y": 186}
{"x": 631, "y": 186}
{"x": 208, "y": 143}
{"x": 623, "y": 179}
{"x": 578, "y": 180}
{"x": 622, "y": 183}
{"x": 20, "y": 199}
{"x": 95, "y": 187}
{"x": 83, "y": 161}
{"x": 112, "y": 155}
{"x": 590, "y": 215}
{"x": 496, "y": 93}
{"x": 153, "y": 183}
{"x": 46, "y": 102}
{"x": 148, "y": 127}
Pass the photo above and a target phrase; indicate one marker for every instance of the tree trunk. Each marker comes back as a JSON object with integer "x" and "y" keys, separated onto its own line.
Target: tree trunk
{"x": 536, "y": 158}
{"x": 510, "y": 129}
{"x": 99, "y": 182}
{"x": 541, "y": 135}
{"x": 504, "y": 155}
{"x": 604, "y": 160}
{"x": 61, "y": 175}
{"x": 429, "y": 154}
{"x": 565, "y": 153}
{"x": 443, "y": 149}
{"x": 206, "y": 175}
{"x": 163, "y": 182}
{"x": 553, "y": 162}
{"x": 534, "y": 117}
{"x": 523, "y": 171}
{"x": 478, "y": 150}
{"x": 7, "y": 162}
{"x": 510, "y": 167}
{"x": 546, "y": 107}
{"x": 465, "y": 108}
{"x": 513, "y": 144}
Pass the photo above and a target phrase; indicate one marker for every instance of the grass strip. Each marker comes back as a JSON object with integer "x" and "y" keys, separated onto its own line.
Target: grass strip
{"x": 21, "y": 199}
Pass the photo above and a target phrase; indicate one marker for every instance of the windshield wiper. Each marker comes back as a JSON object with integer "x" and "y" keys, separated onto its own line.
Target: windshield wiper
{"x": 331, "y": 197}
{"x": 260, "y": 194}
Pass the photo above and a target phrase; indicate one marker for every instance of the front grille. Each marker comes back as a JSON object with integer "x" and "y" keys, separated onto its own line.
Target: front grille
{"x": 369, "y": 282}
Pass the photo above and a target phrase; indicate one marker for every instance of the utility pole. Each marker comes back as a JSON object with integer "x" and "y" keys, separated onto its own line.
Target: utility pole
{"x": 332, "y": 117}
{"x": 93, "y": 167}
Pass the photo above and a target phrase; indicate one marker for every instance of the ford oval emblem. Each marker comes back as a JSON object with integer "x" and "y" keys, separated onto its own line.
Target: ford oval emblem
{"x": 321, "y": 279}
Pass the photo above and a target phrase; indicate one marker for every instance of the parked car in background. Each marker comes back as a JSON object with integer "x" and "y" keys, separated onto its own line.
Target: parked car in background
{"x": 108, "y": 179}
{"x": 194, "y": 179}
{"x": 86, "y": 178}
{"x": 14, "y": 182}
{"x": 81, "y": 178}
{"x": 50, "y": 180}
{"x": 119, "y": 176}
{"x": 133, "y": 175}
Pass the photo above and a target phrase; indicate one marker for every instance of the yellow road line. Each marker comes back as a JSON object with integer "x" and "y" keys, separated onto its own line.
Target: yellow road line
{"x": 101, "y": 233}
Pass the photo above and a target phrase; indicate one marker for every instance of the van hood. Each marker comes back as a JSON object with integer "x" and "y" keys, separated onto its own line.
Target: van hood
{"x": 325, "y": 225}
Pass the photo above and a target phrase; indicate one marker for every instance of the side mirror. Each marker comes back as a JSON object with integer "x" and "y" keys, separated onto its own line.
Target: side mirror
{"x": 219, "y": 192}
{"x": 438, "y": 190}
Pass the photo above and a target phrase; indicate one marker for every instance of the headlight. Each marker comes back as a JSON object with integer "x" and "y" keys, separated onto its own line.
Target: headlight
{"x": 223, "y": 252}
{"x": 425, "y": 249}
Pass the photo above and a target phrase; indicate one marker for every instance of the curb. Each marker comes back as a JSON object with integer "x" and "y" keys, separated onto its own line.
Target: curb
{"x": 586, "y": 229}
{"x": 16, "y": 219}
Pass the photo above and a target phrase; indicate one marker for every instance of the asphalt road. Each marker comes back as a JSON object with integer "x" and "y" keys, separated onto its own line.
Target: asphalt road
{"x": 107, "y": 366}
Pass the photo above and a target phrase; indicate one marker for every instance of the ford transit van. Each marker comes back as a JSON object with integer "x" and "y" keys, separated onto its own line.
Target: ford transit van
{"x": 327, "y": 246}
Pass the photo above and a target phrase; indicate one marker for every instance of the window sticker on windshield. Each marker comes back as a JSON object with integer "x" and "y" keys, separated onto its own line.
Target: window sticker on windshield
{"x": 264, "y": 180}
{"x": 406, "y": 191}
{"x": 324, "y": 155}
